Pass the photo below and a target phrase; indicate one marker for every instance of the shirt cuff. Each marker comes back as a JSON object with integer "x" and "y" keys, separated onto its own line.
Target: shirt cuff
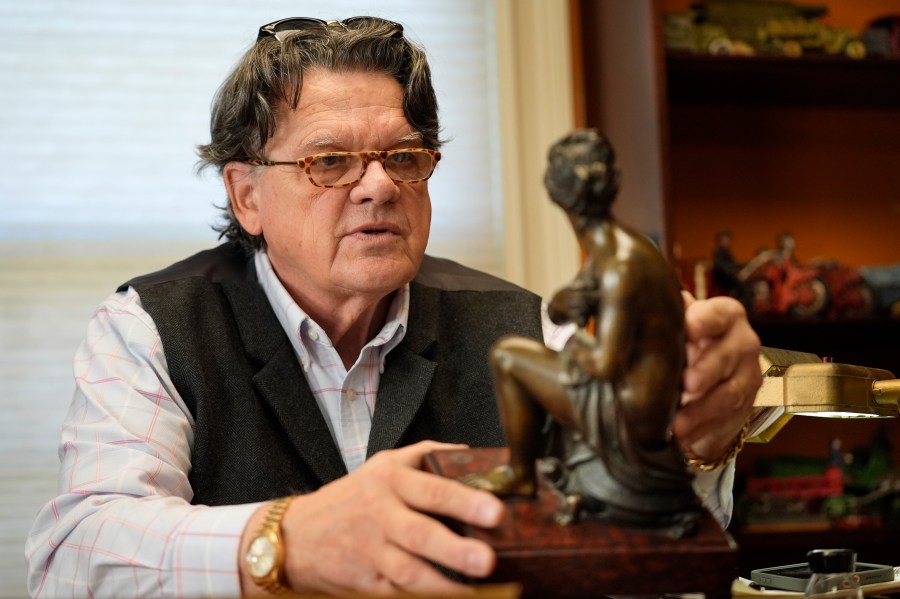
{"x": 715, "y": 490}
{"x": 204, "y": 555}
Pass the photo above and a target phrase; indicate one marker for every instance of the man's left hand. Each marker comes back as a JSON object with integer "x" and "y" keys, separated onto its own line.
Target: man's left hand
{"x": 721, "y": 378}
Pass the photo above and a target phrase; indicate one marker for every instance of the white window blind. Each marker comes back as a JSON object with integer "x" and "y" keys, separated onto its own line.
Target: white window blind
{"x": 101, "y": 107}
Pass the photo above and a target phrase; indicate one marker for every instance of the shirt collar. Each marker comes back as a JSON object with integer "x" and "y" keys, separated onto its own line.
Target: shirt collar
{"x": 293, "y": 318}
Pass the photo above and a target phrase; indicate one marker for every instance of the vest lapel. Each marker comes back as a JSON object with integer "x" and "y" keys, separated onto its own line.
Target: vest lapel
{"x": 408, "y": 372}
{"x": 401, "y": 392}
{"x": 281, "y": 383}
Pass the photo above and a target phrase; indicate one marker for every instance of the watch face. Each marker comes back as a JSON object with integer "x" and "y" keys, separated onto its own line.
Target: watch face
{"x": 261, "y": 557}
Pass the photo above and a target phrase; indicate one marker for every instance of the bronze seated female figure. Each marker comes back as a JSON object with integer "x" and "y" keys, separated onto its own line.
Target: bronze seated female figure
{"x": 599, "y": 412}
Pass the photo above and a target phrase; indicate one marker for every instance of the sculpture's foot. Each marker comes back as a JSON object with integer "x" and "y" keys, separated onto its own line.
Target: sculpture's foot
{"x": 568, "y": 508}
{"x": 502, "y": 481}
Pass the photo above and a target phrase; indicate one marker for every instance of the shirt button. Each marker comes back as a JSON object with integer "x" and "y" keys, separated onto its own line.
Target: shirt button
{"x": 313, "y": 334}
{"x": 351, "y": 394}
{"x": 304, "y": 360}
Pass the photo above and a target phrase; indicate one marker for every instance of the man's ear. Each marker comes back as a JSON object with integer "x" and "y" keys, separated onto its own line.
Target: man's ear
{"x": 240, "y": 184}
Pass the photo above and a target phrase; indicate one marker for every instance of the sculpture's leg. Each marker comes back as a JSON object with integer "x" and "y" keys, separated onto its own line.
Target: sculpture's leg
{"x": 526, "y": 376}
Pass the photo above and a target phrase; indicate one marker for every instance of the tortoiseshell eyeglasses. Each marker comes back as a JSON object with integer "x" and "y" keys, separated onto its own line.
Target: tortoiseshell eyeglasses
{"x": 340, "y": 169}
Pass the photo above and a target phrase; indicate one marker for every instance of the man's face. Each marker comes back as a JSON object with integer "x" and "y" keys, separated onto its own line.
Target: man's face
{"x": 367, "y": 239}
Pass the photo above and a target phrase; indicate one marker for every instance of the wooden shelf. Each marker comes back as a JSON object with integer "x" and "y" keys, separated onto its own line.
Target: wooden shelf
{"x": 819, "y": 80}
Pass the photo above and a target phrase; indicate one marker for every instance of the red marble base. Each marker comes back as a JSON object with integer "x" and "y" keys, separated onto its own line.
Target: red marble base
{"x": 591, "y": 558}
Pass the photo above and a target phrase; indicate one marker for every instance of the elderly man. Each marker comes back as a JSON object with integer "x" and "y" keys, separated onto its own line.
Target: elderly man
{"x": 253, "y": 418}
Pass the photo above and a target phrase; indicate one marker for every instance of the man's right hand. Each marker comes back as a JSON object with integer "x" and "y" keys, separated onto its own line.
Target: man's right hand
{"x": 370, "y": 531}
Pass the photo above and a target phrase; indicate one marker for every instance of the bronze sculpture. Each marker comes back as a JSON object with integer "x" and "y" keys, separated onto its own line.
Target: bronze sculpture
{"x": 598, "y": 413}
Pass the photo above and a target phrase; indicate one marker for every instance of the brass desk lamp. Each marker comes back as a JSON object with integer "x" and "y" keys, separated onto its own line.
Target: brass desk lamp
{"x": 798, "y": 383}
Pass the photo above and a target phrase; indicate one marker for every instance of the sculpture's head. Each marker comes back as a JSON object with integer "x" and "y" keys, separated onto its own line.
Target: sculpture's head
{"x": 581, "y": 176}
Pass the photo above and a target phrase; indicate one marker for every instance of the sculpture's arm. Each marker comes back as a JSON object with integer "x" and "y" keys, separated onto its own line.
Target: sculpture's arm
{"x": 577, "y": 302}
{"x": 605, "y": 354}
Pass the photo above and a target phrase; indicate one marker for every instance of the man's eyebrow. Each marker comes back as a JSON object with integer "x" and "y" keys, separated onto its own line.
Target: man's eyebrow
{"x": 322, "y": 142}
{"x": 330, "y": 142}
{"x": 411, "y": 136}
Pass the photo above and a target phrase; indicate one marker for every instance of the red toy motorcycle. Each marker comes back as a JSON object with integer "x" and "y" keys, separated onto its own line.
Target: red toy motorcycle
{"x": 780, "y": 285}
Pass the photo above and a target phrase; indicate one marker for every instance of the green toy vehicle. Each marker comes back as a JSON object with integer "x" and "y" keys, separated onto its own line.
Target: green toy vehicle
{"x": 764, "y": 27}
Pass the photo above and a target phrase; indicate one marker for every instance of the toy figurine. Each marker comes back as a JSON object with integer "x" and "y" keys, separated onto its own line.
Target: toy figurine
{"x": 725, "y": 267}
{"x": 780, "y": 284}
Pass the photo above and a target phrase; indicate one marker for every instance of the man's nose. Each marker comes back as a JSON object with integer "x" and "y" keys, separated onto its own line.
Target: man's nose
{"x": 375, "y": 185}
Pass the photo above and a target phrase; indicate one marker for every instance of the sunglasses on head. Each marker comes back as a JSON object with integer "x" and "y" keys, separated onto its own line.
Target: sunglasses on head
{"x": 275, "y": 28}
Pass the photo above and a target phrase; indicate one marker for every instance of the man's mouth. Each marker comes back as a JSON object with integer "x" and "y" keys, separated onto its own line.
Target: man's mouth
{"x": 376, "y": 229}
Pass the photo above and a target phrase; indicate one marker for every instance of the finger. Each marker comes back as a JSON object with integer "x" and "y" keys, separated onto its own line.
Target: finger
{"x": 733, "y": 364}
{"x": 735, "y": 353}
{"x": 412, "y": 455}
{"x": 712, "y": 317}
{"x": 713, "y": 366}
{"x": 406, "y": 572}
{"x": 438, "y": 495}
{"x": 423, "y": 536}
{"x": 719, "y": 415}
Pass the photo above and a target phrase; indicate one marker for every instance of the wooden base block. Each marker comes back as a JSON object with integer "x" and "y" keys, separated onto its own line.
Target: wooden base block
{"x": 591, "y": 558}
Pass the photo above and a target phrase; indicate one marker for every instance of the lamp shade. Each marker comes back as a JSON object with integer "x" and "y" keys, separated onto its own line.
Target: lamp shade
{"x": 835, "y": 391}
{"x": 799, "y": 383}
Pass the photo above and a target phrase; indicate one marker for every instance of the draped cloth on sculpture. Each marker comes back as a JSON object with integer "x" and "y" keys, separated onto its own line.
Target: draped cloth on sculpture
{"x": 613, "y": 475}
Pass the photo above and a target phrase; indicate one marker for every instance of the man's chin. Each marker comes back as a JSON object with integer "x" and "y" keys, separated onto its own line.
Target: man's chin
{"x": 382, "y": 273}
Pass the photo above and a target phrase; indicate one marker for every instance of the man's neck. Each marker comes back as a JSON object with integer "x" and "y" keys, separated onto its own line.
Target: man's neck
{"x": 350, "y": 323}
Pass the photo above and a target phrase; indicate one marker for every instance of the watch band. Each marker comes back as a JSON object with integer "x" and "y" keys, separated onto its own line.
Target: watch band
{"x": 733, "y": 450}
{"x": 274, "y": 582}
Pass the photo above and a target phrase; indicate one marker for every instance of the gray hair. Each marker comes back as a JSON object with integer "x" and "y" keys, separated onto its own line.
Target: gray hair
{"x": 270, "y": 75}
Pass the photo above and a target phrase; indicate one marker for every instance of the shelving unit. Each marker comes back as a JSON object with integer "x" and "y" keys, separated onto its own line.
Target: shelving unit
{"x": 763, "y": 144}
{"x": 760, "y": 145}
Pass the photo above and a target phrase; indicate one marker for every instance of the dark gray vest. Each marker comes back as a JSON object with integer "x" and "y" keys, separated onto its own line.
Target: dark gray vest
{"x": 259, "y": 432}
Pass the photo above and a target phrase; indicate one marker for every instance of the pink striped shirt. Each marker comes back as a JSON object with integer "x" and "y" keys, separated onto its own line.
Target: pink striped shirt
{"x": 123, "y": 524}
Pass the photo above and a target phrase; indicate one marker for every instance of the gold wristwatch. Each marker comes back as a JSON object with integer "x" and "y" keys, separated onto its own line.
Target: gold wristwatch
{"x": 265, "y": 556}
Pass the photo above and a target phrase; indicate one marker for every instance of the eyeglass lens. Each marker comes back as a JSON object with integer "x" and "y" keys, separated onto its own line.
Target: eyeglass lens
{"x": 343, "y": 169}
